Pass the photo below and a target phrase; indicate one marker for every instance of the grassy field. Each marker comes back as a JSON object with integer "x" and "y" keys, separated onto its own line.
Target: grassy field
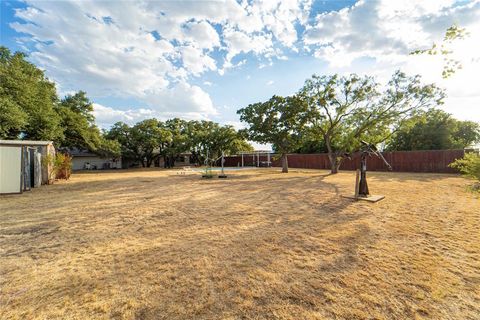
{"x": 258, "y": 245}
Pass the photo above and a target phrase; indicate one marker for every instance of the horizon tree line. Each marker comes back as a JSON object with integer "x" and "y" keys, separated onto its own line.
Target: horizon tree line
{"x": 329, "y": 114}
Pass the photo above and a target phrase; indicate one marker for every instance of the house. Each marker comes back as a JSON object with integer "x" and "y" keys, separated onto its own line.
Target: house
{"x": 21, "y": 165}
{"x": 84, "y": 160}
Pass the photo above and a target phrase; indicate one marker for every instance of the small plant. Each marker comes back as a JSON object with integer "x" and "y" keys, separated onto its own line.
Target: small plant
{"x": 63, "y": 164}
{"x": 469, "y": 166}
{"x": 59, "y": 166}
{"x": 208, "y": 174}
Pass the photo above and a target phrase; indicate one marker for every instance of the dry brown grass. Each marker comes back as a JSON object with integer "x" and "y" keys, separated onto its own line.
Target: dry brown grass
{"x": 259, "y": 245}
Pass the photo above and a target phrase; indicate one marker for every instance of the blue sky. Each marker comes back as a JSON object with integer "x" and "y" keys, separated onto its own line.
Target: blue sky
{"x": 206, "y": 59}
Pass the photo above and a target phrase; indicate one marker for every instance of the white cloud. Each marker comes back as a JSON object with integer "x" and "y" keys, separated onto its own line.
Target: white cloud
{"x": 151, "y": 50}
{"x": 201, "y": 34}
{"x": 196, "y": 61}
{"x": 185, "y": 101}
{"x": 183, "y": 98}
{"x": 240, "y": 42}
{"x": 139, "y": 49}
{"x": 106, "y": 116}
{"x": 281, "y": 16}
{"x": 385, "y": 30}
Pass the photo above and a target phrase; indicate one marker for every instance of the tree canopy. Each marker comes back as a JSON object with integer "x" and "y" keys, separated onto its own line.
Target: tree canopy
{"x": 27, "y": 99}
{"x": 150, "y": 139}
{"x": 279, "y": 121}
{"x": 335, "y": 113}
{"x": 31, "y": 109}
{"x": 344, "y": 110}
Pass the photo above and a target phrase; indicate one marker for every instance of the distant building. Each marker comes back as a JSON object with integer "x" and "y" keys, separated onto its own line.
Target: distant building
{"x": 84, "y": 160}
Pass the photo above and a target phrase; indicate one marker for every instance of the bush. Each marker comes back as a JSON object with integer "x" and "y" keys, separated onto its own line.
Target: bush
{"x": 469, "y": 166}
{"x": 208, "y": 174}
{"x": 60, "y": 164}
{"x": 63, "y": 165}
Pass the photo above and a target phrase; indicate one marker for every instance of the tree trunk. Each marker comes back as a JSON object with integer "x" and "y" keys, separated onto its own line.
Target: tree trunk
{"x": 332, "y": 156}
{"x": 338, "y": 162}
{"x": 334, "y": 164}
{"x": 284, "y": 163}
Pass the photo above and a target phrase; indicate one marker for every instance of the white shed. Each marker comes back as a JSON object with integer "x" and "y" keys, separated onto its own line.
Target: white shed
{"x": 21, "y": 165}
{"x": 11, "y": 172}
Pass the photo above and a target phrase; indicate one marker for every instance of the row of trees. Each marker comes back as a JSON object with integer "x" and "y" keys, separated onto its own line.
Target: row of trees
{"x": 335, "y": 113}
{"x": 328, "y": 114}
{"x": 31, "y": 109}
{"x": 151, "y": 139}
{"x": 434, "y": 129}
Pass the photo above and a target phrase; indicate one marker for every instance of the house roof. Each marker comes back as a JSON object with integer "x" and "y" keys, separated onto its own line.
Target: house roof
{"x": 25, "y": 142}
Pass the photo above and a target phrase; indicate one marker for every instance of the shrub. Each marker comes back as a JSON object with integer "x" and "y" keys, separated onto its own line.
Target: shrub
{"x": 208, "y": 174}
{"x": 60, "y": 166}
{"x": 469, "y": 166}
{"x": 63, "y": 164}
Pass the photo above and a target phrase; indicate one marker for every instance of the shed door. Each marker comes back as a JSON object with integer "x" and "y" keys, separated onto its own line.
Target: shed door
{"x": 38, "y": 169}
{"x": 10, "y": 169}
{"x": 27, "y": 183}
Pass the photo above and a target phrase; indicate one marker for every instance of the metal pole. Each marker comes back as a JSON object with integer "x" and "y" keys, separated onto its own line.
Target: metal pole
{"x": 222, "y": 174}
{"x": 222, "y": 164}
{"x": 258, "y": 159}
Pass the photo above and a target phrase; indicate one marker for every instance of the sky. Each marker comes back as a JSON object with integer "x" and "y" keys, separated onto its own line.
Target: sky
{"x": 206, "y": 59}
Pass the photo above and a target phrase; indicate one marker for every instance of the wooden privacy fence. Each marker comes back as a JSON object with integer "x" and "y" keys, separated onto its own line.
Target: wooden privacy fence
{"x": 401, "y": 161}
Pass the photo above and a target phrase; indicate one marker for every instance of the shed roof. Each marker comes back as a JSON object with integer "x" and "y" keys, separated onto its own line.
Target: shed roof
{"x": 25, "y": 142}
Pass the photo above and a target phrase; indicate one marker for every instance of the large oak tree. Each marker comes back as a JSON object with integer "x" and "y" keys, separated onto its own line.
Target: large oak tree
{"x": 27, "y": 99}
{"x": 279, "y": 121}
{"x": 347, "y": 109}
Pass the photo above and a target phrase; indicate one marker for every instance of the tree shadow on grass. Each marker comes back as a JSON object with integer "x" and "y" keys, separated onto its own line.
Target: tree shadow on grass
{"x": 237, "y": 255}
{"x": 242, "y": 227}
{"x": 113, "y": 202}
